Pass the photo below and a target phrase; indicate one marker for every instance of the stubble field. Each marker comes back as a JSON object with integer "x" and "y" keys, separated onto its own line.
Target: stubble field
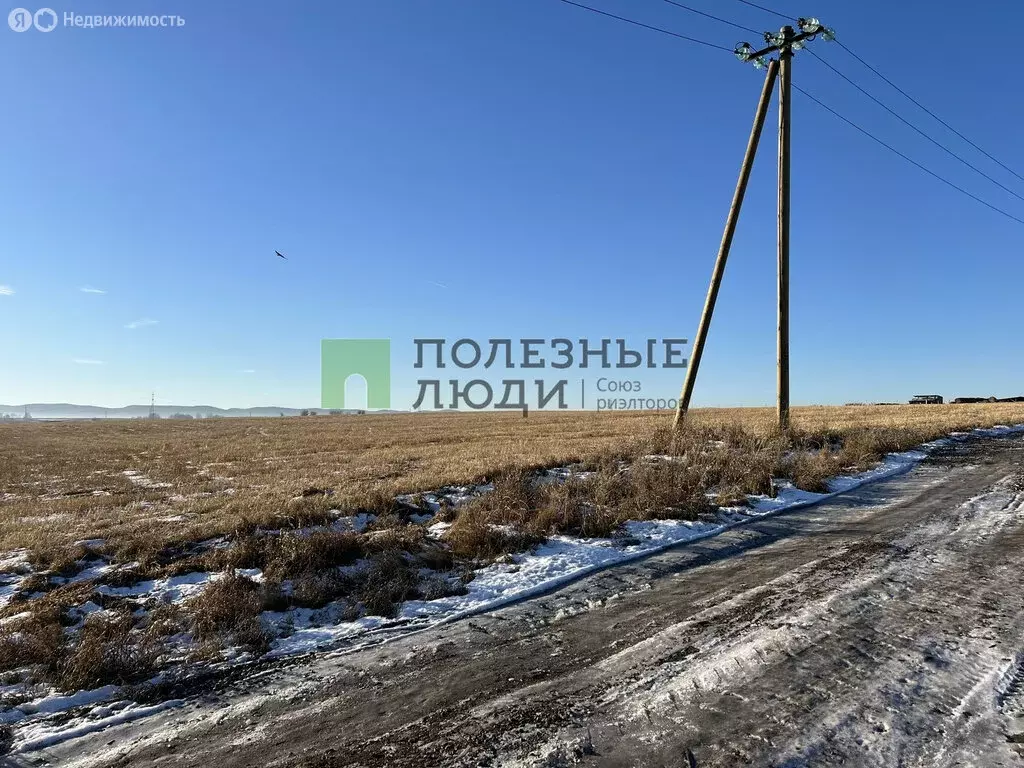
{"x": 143, "y": 484}
{"x": 129, "y": 548}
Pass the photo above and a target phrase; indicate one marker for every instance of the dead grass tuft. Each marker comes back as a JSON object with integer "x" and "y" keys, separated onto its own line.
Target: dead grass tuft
{"x": 810, "y": 471}
{"x": 34, "y": 641}
{"x": 435, "y": 586}
{"x": 226, "y": 613}
{"x": 315, "y": 589}
{"x": 388, "y": 580}
{"x": 293, "y": 555}
{"x": 57, "y": 558}
{"x": 473, "y": 536}
{"x": 109, "y": 650}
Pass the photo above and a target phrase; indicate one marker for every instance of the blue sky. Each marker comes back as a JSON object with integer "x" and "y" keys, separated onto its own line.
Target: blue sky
{"x": 479, "y": 168}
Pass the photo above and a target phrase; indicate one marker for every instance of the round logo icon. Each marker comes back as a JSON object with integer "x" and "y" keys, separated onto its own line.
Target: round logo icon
{"x": 20, "y": 19}
{"x": 45, "y": 19}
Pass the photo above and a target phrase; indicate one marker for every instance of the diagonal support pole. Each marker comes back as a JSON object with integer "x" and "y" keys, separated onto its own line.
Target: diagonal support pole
{"x": 723, "y": 250}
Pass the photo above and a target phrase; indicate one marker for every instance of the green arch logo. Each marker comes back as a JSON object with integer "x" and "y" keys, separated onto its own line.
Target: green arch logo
{"x": 342, "y": 358}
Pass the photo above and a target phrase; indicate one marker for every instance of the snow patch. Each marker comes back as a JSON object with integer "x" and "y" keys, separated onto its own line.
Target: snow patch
{"x": 45, "y": 734}
{"x": 559, "y": 560}
{"x": 169, "y": 590}
{"x": 143, "y": 481}
{"x": 563, "y": 559}
{"x": 353, "y": 523}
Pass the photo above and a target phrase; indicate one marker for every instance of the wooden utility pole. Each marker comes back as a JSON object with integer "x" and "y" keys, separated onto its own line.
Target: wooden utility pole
{"x": 784, "y": 43}
{"x": 785, "y": 124}
{"x": 723, "y": 250}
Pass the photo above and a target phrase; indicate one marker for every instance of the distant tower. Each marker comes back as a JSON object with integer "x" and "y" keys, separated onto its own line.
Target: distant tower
{"x": 152, "y": 406}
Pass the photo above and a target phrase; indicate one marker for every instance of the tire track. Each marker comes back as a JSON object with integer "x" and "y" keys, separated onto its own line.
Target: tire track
{"x": 925, "y": 593}
{"x": 867, "y": 631}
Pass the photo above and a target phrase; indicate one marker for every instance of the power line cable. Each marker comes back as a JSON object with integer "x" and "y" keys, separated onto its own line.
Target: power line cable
{"x": 921, "y": 106}
{"x": 715, "y": 18}
{"x": 647, "y": 26}
{"x": 905, "y": 157}
{"x": 824, "y": 106}
{"x": 913, "y": 127}
{"x": 906, "y": 95}
{"x": 766, "y": 10}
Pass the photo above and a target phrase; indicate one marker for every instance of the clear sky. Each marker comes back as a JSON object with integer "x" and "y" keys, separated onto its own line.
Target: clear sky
{"x": 478, "y": 168}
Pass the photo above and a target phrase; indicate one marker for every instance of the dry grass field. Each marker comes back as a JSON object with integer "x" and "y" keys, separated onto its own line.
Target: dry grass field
{"x": 143, "y": 485}
{"x": 93, "y": 515}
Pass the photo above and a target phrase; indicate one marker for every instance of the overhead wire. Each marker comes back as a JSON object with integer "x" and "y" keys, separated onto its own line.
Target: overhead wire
{"x": 938, "y": 119}
{"x": 910, "y": 160}
{"x": 914, "y": 127}
{"x": 888, "y": 81}
{"x": 766, "y": 10}
{"x": 824, "y": 106}
{"x": 709, "y": 16}
{"x": 646, "y": 26}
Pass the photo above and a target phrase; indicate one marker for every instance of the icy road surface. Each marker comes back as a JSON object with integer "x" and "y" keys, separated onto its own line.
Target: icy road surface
{"x": 884, "y": 627}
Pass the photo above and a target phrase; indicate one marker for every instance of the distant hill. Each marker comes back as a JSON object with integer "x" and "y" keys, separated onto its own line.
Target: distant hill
{"x": 72, "y": 411}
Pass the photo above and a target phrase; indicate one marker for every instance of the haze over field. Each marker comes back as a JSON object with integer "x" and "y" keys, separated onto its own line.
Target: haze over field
{"x": 72, "y": 411}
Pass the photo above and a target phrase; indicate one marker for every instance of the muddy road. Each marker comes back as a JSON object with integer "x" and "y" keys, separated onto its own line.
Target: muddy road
{"x": 883, "y": 628}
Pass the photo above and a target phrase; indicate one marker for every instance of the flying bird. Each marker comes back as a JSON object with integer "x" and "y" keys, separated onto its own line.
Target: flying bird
{"x": 281, "y": 255}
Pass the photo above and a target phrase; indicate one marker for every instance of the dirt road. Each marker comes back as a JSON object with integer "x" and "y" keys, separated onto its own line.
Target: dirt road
{"x": 884, "y": 628}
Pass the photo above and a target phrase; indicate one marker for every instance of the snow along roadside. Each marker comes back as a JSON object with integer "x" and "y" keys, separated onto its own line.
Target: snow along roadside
{"x": 564, "y": 559}
{"x": 559, "y": 561}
